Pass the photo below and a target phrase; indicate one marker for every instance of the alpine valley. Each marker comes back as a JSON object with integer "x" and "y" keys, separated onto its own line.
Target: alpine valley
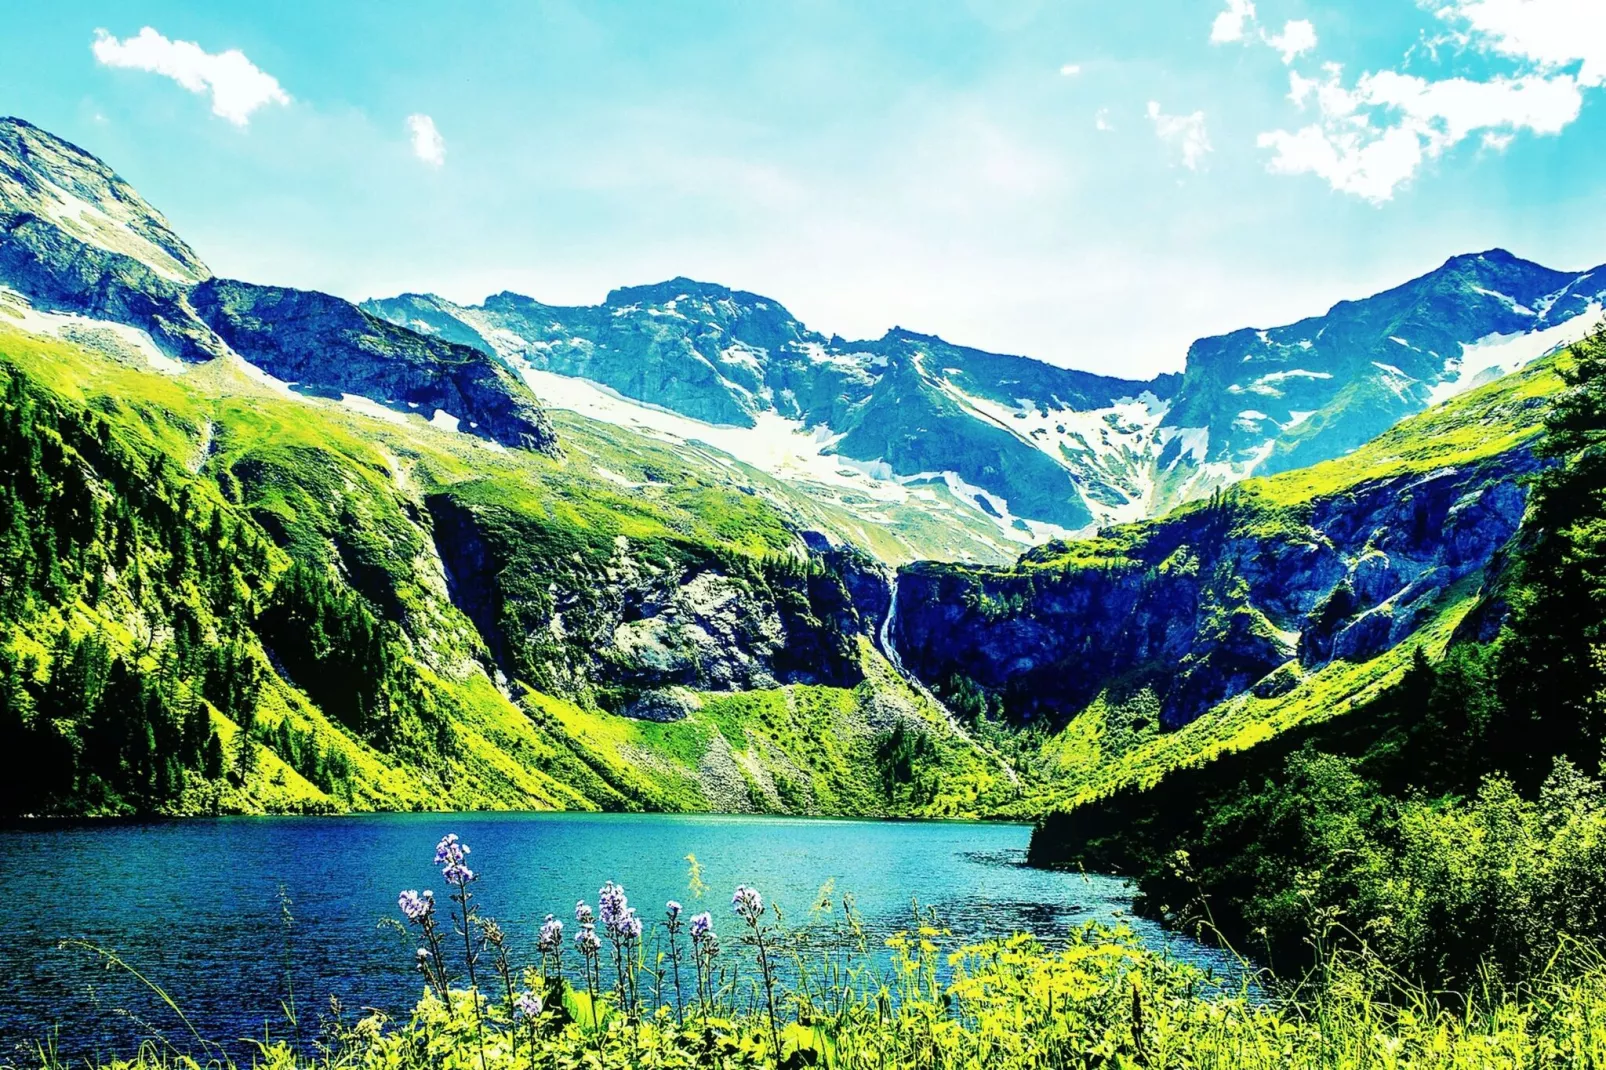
{"x": 267, "y": 550}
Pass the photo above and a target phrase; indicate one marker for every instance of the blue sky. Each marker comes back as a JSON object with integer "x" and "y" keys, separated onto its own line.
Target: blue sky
{"x": 1090, "y": 183}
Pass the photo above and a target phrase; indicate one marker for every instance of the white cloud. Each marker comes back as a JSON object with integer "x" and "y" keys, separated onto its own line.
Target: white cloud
{"x": 238, "y": 87}
{"x": 1238, "y": 23}
{"x": 1185, "y": 132}
{"x": 1373, "y": 137}
{"x": 1357, "y": 154}
{"x": 1297, "y": 38}
{"x": 1232, "y": 23}
{"x": 1071, "y": 70}
{"x": 1368, "y": 165}
{"x": 1101, "y": 120}
{"x": 1300, "y": 88}
{"x": 428, "y": 145}
{"x": 1550, "y": 34}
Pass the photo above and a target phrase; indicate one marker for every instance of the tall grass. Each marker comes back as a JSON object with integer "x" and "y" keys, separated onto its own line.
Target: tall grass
{"x": 1102, "y": 1001}
{"x": 817, "y": 994}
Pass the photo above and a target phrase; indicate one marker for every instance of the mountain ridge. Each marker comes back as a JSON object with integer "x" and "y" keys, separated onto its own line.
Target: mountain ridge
{"x": 1081, "y": 453}
{"x": 115, "y": 259}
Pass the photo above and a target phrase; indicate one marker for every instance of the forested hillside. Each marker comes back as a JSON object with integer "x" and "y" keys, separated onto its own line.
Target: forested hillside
{"x": 1454, "y": 820}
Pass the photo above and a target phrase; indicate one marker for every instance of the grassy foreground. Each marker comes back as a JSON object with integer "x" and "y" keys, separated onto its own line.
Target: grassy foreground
{"x": 625, "y": 991}
{"x": 1102, "y": 1001}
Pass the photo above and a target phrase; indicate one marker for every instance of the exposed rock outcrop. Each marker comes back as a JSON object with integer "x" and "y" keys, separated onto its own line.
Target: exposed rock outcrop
{"x": 330, "y": 346}
{"x": 632, "y": 624}
{"x": 1216, "y": 600}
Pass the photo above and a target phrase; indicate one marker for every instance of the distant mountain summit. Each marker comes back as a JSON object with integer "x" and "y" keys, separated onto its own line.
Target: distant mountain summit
{"x": 79, "y": 247}
{"x": 907, "y": 406}
{"x": 46, "y": 183}
{"x": 1269, "y": 400}
{"x": 1035, "y": 446}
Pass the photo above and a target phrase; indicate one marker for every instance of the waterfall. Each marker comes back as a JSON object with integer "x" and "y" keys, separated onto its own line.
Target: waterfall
{"x": 889, "y": 649}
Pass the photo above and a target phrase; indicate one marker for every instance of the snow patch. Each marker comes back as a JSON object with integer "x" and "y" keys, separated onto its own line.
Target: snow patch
{"x": 743, "y": 355}
{"x": 614, "y": 477}
{"x": 90, "y": 223}
{"x": 1110, "y": 447}
{"x": 1496, "y": 355}
{"x": 1396, "y": 380}
{"x": 251, "y": 371}
{"x": 1269, "y": 385}
{"x": 789, "y": 451}
{"x": 1194, "y": 442}
{"x": 1507, "y": 300}
{"x": 370, "y": 407}
{"x": 81, "y": 330}
{"x": 775, "y": 444}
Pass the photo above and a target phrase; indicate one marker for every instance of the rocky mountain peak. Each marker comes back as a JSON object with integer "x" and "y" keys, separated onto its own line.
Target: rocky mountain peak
{"x": 680, "y": 288}
{"x": 748, "y": 317}
{"x": 78, "y": 243}
{"x": 53, "y": 182}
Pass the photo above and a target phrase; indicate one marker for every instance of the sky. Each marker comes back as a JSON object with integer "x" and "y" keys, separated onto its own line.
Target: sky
{"x": 1089, "y": 183}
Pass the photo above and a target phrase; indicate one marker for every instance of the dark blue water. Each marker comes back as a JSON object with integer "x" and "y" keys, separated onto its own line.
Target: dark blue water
{"x": 195, "y": 905}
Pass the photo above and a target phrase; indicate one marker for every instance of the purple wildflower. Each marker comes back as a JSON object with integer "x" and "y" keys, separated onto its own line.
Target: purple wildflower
{"x": 629, "y": 926}
{"x": 582, "y": 913}
{"x": 612, "y": 904}
{"x": 551, "y": 937}
{"x": 450, "y": 850}
{"x": 586, "y": 940}
{"x": 449, "y": 855}
{"x": 702, "y": 926}
{"x": 422, "y": 959}
{"x": 416, "y": 906}
{"x": 528, "y": 1004}
{"x": 672, "y": 909}
{"x": 747, "y": 903}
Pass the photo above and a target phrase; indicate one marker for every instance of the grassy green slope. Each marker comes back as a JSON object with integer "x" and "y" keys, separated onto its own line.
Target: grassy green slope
{"x": 343, "y": 492}
{"x": 799, "y": 749}
{"x": 1449, "y": 823}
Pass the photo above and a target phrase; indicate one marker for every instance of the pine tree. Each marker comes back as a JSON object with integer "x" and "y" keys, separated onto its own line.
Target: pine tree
{"x": 1553, "y": 667}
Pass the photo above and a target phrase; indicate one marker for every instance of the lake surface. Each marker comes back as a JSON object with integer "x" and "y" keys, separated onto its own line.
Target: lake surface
{"x": 195, "y": 905}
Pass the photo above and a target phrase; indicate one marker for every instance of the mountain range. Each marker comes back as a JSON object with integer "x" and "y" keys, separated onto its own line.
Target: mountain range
{"x": 1019, "y": 449}
{"x": 277, "y": 551}
{"x": 1043, "y": 450}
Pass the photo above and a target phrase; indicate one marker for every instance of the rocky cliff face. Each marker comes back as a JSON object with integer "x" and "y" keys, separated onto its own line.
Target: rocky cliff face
{"x": 331, "y": 346}
{"x": 1230, "y": 595}
{"x": 625, "y": 622}
{"x": 61, "y": 185}
{"x": 76, "y": 239}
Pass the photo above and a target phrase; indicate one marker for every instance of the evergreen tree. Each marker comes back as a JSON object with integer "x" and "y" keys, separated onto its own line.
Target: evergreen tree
{"x": 1553, "y": 671}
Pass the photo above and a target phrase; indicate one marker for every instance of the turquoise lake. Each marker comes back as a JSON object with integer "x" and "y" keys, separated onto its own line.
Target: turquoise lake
{"x": 195, "y": 905}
